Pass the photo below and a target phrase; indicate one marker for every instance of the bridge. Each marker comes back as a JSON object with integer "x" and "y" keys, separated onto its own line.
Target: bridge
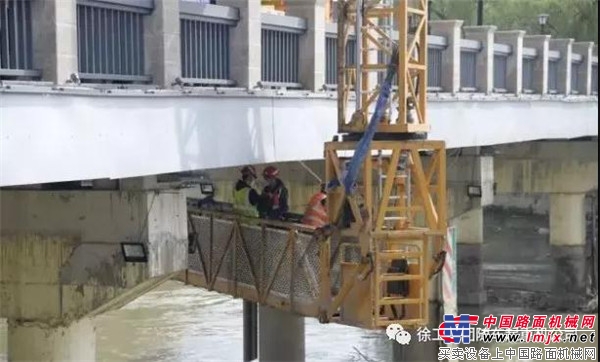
{"x": 116, "y": 93}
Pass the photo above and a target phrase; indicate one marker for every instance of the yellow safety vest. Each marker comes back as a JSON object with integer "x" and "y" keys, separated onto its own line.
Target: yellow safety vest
{"x": 241, "y": 203}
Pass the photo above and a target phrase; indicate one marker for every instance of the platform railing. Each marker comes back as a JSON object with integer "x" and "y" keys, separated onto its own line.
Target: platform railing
{"x": 553, "y": 58}
{"x": 268, "y": 262}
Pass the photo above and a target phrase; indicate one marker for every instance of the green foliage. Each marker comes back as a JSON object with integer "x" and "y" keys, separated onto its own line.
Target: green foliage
{"x": 576, "y": 19}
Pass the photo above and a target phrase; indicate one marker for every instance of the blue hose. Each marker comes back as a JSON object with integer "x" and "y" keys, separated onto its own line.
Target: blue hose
{"x": 364, "y": 144}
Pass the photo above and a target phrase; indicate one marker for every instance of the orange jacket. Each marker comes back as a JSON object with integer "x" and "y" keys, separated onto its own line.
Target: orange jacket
{"x": 316, "y": 214}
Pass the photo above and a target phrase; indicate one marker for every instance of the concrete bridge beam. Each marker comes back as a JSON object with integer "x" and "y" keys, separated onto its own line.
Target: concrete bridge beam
{"x": 465, "y": 170}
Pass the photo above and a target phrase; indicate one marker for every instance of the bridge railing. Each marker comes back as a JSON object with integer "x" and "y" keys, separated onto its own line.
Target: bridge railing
{"x": 205, "y": 43}
{"x": 16, "y": 41}
{"x": 280, "y": 50}
{"x": 110, "y": 40}
{"x": 138, "y": 41}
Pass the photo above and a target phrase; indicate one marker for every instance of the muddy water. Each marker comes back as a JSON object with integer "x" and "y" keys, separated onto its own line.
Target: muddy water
{"x": 182, "y": 323}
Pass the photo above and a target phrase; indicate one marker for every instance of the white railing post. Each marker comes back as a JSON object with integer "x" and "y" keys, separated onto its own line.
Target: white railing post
{"x": 540, "y": 68}
{"x": 245, "y": 43}
{"x": 585, "y": 49}
{"x": 564, "y": 46}
{"x": 485, "y": 59}
{"x": 54, "y": 29}
{"x": 162, "y": 43}
{"x": 312, "y": 43}
{"x": 450, "y": 29}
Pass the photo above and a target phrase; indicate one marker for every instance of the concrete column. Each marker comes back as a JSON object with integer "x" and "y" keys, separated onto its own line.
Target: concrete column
{"x": 450, "y": 29}
{"x": 564, "y": 46}
{"x": 54, "y": 29}
{"x": 485, "y": 59}
{"x": 540, "y": 69}
{"x": 75, "y": 343}
{"x": 466, "y": 214}
{"x": 567, "y": 241}
{"x": 312, "y": 43}
{"x": 161, "y": 37}
{"x": 280, "y": 336}
{"x": 585, "y": 69}
{"x": 245, "y": 43}
{"x": 514, "y": 66}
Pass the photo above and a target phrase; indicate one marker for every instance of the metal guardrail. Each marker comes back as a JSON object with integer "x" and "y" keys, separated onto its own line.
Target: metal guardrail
{"x": 16, "y": 48}
{"x": 468, "y": 64}
{"x": 501, "y": 54}
{"x": 205, "y": 44}
{"x": 331, "y": 73}
{"x": 110, "y": 39}
{"x": 270, "y": 262}
{"x": 553, "y": 76}
{"x": 281, "y": 50}
{"x": 434, "y": 71}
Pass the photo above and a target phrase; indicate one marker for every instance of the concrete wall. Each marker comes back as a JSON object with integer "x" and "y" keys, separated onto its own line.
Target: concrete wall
{"x": 61, "y": 256}
{"x": 88, "y": 137}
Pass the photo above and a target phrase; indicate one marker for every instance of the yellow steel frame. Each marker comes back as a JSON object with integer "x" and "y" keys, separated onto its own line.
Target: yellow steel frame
{"x": 416, "y": 233}
{"x": 412, "y": 64}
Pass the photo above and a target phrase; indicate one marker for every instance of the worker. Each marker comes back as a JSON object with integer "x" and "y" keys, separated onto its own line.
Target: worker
{"x": 245, "y": 197}
{"x": 274, "y": 197}
{"x": 316, "y": 212}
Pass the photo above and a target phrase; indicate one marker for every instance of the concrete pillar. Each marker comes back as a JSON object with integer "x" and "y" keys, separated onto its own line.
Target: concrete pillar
{"x": 514, "y": 66}
{"x": 567, "y": 241}
{"x": 540, "y": 69}
{"x": 312, "y": 43}
{"x": 54, "y": 29}
{"x": 485, "y": 58}
{"x": 466, "y": 214}
{"x": 585, "y": 69}
{"x": 245, "y": 43}
{"x": 280, "y": 335}
{"x": 450, "y": 29}
{"x": 564, "y": 46}
{"x": 422, "y": 350}
{"x": 61, "y": 260}
{"x": 74, "y": 343}
{"x": 161, "y": 40}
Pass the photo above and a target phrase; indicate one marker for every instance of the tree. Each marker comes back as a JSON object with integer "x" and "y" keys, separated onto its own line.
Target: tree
{"x": 576, "y": 19}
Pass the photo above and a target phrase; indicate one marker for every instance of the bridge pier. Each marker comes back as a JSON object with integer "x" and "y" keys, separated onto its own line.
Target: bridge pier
{"x": 564, "y": 171}
{"x": 281, "y": 336}
{"x": 62, "y": 263}
{"x": 420, "y": 350}
{"x": 76, "y": 342}
{"x": 470, "y": 188}
{"x": 567, "y": 245}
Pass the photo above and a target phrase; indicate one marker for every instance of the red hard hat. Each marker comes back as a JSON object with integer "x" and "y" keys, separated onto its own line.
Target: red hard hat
{"x": 270, "y": 172}
{"x": 249, "y": 171}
